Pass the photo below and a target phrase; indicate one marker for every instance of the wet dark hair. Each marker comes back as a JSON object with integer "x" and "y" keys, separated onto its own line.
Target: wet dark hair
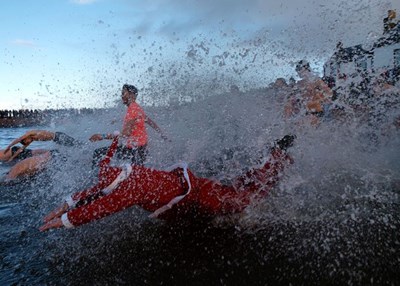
{"x": 303, "y": 64}
{"x": 130, "y": 88}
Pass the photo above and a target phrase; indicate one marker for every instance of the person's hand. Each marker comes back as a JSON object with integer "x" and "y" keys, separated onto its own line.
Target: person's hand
{"x": 96, "y": 137}
{"x": 25, "y": 140}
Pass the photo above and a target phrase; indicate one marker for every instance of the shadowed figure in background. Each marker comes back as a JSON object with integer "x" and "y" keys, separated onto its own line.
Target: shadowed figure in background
{"x": 311, "y": 97}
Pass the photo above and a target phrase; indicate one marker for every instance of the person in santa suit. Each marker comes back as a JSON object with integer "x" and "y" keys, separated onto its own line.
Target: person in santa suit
{"x": 168, "y": 194}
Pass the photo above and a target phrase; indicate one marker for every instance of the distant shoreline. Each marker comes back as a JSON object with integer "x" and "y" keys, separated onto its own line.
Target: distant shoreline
{"x": 21, "y": 122}
{"x": 26, "y": 117}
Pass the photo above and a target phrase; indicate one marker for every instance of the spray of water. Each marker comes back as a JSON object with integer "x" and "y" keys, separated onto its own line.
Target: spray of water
{"x": 221, "y": 115}
{"x": 341, "y": 192}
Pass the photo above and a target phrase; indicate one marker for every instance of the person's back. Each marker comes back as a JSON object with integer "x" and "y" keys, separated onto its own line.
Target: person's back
{"x": 138, "y": 136}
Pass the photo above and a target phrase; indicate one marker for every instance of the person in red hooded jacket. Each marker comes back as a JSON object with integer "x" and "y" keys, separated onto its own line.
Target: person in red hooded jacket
{"x": 167, "y": 193}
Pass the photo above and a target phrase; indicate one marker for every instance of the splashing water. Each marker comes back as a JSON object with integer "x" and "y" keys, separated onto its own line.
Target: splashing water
{"x": 333, "y": 217}
{"x": 334, "y": 212}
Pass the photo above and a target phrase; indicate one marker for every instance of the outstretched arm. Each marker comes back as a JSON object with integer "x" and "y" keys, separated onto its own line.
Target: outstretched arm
{"x": 154, "y": 125}
{"x": 99, "y": 137}
{"x": 32, "y": 135}
{"x": 110, "y": 153}
{"x": 79, "y": 198}
{"x": 41, "y": 135}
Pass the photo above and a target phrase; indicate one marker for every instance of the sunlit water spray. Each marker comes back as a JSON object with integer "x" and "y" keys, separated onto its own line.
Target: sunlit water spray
{"x": 341, "y": 192}
{"x": 224, "y": 134}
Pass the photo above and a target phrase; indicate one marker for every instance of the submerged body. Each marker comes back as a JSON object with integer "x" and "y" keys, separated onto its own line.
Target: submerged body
{"x": 33, "y": 161}
{"x": 166, "y": 193}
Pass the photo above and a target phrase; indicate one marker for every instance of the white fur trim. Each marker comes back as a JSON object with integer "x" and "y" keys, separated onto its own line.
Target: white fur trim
{"x": 125, "y": 172}
{"x": 65, "y": 221}
{"x": 182, "y": 165}
{"x": 70, "y": 201}
{"x": 177, "y": 199}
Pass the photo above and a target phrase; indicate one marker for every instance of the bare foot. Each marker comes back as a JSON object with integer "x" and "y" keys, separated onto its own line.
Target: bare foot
{"x": 56, "y": 213}
{"x": 55, "y": 223}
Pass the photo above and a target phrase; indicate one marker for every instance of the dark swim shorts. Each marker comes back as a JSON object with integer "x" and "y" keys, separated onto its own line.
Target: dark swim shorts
{"x": 63, "y": 139}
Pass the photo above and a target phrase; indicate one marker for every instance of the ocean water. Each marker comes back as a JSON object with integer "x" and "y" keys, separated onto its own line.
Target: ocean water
{"x": 334, "y": 218}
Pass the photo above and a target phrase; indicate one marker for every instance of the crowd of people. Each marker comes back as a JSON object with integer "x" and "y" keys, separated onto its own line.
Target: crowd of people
{"x": 313, "y": 99}
{"x": 310, "y": 100}
{"x": 35, "y": 117}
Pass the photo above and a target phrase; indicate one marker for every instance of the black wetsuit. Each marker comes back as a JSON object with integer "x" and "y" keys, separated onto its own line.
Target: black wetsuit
{"x": 63, "y": 139}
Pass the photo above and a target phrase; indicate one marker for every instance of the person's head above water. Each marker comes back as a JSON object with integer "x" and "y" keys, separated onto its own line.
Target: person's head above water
{"x": 280, "y": 82}
{"x": 303, "y": 65}
{"x": 129, "y": 93}
{"x": 130, "y": 88}
{"x": 303, "y": 68}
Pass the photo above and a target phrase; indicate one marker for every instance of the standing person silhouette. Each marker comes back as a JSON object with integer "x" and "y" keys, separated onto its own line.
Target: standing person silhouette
{"x": 134, "y": 133}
